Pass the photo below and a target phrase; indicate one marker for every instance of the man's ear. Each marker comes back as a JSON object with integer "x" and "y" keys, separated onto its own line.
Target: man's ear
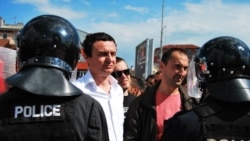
{"x": 161, "y": 65}
{"x": 83, "y": 54}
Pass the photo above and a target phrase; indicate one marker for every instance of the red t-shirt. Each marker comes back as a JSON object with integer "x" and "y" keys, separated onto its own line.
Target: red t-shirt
{"x": 166, "y": 107}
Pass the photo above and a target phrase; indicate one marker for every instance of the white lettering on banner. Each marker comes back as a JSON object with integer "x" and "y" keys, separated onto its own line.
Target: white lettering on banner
{"x": 42, "y": 111}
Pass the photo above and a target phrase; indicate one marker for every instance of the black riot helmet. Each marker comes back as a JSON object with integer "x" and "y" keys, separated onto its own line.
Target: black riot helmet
{"x": 48, "y": 40}
{"x": 223, "y": 63}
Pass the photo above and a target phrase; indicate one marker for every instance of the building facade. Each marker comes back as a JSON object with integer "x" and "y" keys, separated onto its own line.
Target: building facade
{"x": 8, "y": 33}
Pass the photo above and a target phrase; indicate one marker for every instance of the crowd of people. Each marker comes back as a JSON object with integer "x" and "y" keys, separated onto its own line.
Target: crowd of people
{"x": 205, "y": 98}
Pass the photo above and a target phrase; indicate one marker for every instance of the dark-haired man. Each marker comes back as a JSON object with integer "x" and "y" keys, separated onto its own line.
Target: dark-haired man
{"x": 100, "y": 53}
{"x": 146, "y": 115}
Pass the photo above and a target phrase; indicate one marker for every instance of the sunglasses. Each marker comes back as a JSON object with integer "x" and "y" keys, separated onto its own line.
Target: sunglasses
{"x": 118, "y": 74}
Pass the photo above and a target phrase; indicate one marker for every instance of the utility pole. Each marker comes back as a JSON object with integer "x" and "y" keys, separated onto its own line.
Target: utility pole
{"x": 161, "y": 47}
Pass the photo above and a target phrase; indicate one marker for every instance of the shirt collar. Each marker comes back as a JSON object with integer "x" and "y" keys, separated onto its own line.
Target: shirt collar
{"x": 88, "y": 78}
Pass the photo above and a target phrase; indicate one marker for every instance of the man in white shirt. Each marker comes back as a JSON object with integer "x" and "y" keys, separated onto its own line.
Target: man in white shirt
{"x": 100, "y": 53}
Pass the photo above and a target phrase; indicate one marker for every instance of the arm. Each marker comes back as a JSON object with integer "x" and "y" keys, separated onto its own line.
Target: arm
{"x": 97, "y": 125}
{"x": 132, "y": 124}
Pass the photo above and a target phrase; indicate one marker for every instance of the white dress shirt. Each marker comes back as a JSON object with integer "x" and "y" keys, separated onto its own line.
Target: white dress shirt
{"x": 112, "y": 103}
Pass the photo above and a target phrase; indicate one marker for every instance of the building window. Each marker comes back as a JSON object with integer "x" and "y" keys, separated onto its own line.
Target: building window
{"x": 5, "y": 35}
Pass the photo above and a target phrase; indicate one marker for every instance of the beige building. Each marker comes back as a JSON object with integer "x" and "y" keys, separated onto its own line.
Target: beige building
{"x": 8, "y": 33}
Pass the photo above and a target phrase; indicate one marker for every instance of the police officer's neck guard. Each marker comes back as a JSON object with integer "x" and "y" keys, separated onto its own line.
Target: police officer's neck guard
{"x": 45, "y": 81}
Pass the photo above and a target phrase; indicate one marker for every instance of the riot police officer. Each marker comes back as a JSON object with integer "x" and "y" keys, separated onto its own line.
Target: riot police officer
{"x": 43, "y": 105}
{"x": 222, "y": 70}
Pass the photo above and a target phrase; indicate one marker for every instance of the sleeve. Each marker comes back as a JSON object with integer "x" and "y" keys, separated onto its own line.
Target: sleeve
{"x": 132, "y": 122}
{"x": 97, "y": 125}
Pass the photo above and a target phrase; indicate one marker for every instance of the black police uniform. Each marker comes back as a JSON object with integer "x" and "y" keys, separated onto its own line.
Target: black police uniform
{"x": 45, "y": 115}
{"x": 222, "y": 68}
{"x": 213, "y": 120}
{"x": 43, "y": 105}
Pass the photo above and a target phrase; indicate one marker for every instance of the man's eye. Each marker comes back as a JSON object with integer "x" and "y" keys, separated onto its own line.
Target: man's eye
{"x": 103, "y": 54}
{"x": 113, "y": 53}
{"x": 107, "y": 54}
{"x": 181, "y": 67}
{"x": 178, "y": 66}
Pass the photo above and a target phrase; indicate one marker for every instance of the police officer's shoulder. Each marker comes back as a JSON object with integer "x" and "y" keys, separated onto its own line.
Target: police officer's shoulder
{"x": 203, "y": 111}
{"x": 208, "y": 108}
{"x": 178, "y": 115}
{"x": 186, "y": 118}
{"x": 12, "y": 93}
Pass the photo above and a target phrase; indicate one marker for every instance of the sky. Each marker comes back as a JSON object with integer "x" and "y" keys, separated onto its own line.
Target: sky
{"x": 132, "y": 21}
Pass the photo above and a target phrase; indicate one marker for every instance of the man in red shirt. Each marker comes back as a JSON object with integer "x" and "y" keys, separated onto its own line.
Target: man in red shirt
{"x": 146, "y": 115}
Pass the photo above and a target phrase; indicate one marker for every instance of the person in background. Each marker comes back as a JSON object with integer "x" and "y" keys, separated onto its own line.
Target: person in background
{"x": 150, "y": 81}
{"x": 122, "y": 74}
{"x": 157, "y": 76}
{"x": 219, "y": 72}
{"x": 100, "y": 53}
{"x": 137, "y": 85}
{"x": 146, "y": 115}
{"x": 42, "y": 105}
